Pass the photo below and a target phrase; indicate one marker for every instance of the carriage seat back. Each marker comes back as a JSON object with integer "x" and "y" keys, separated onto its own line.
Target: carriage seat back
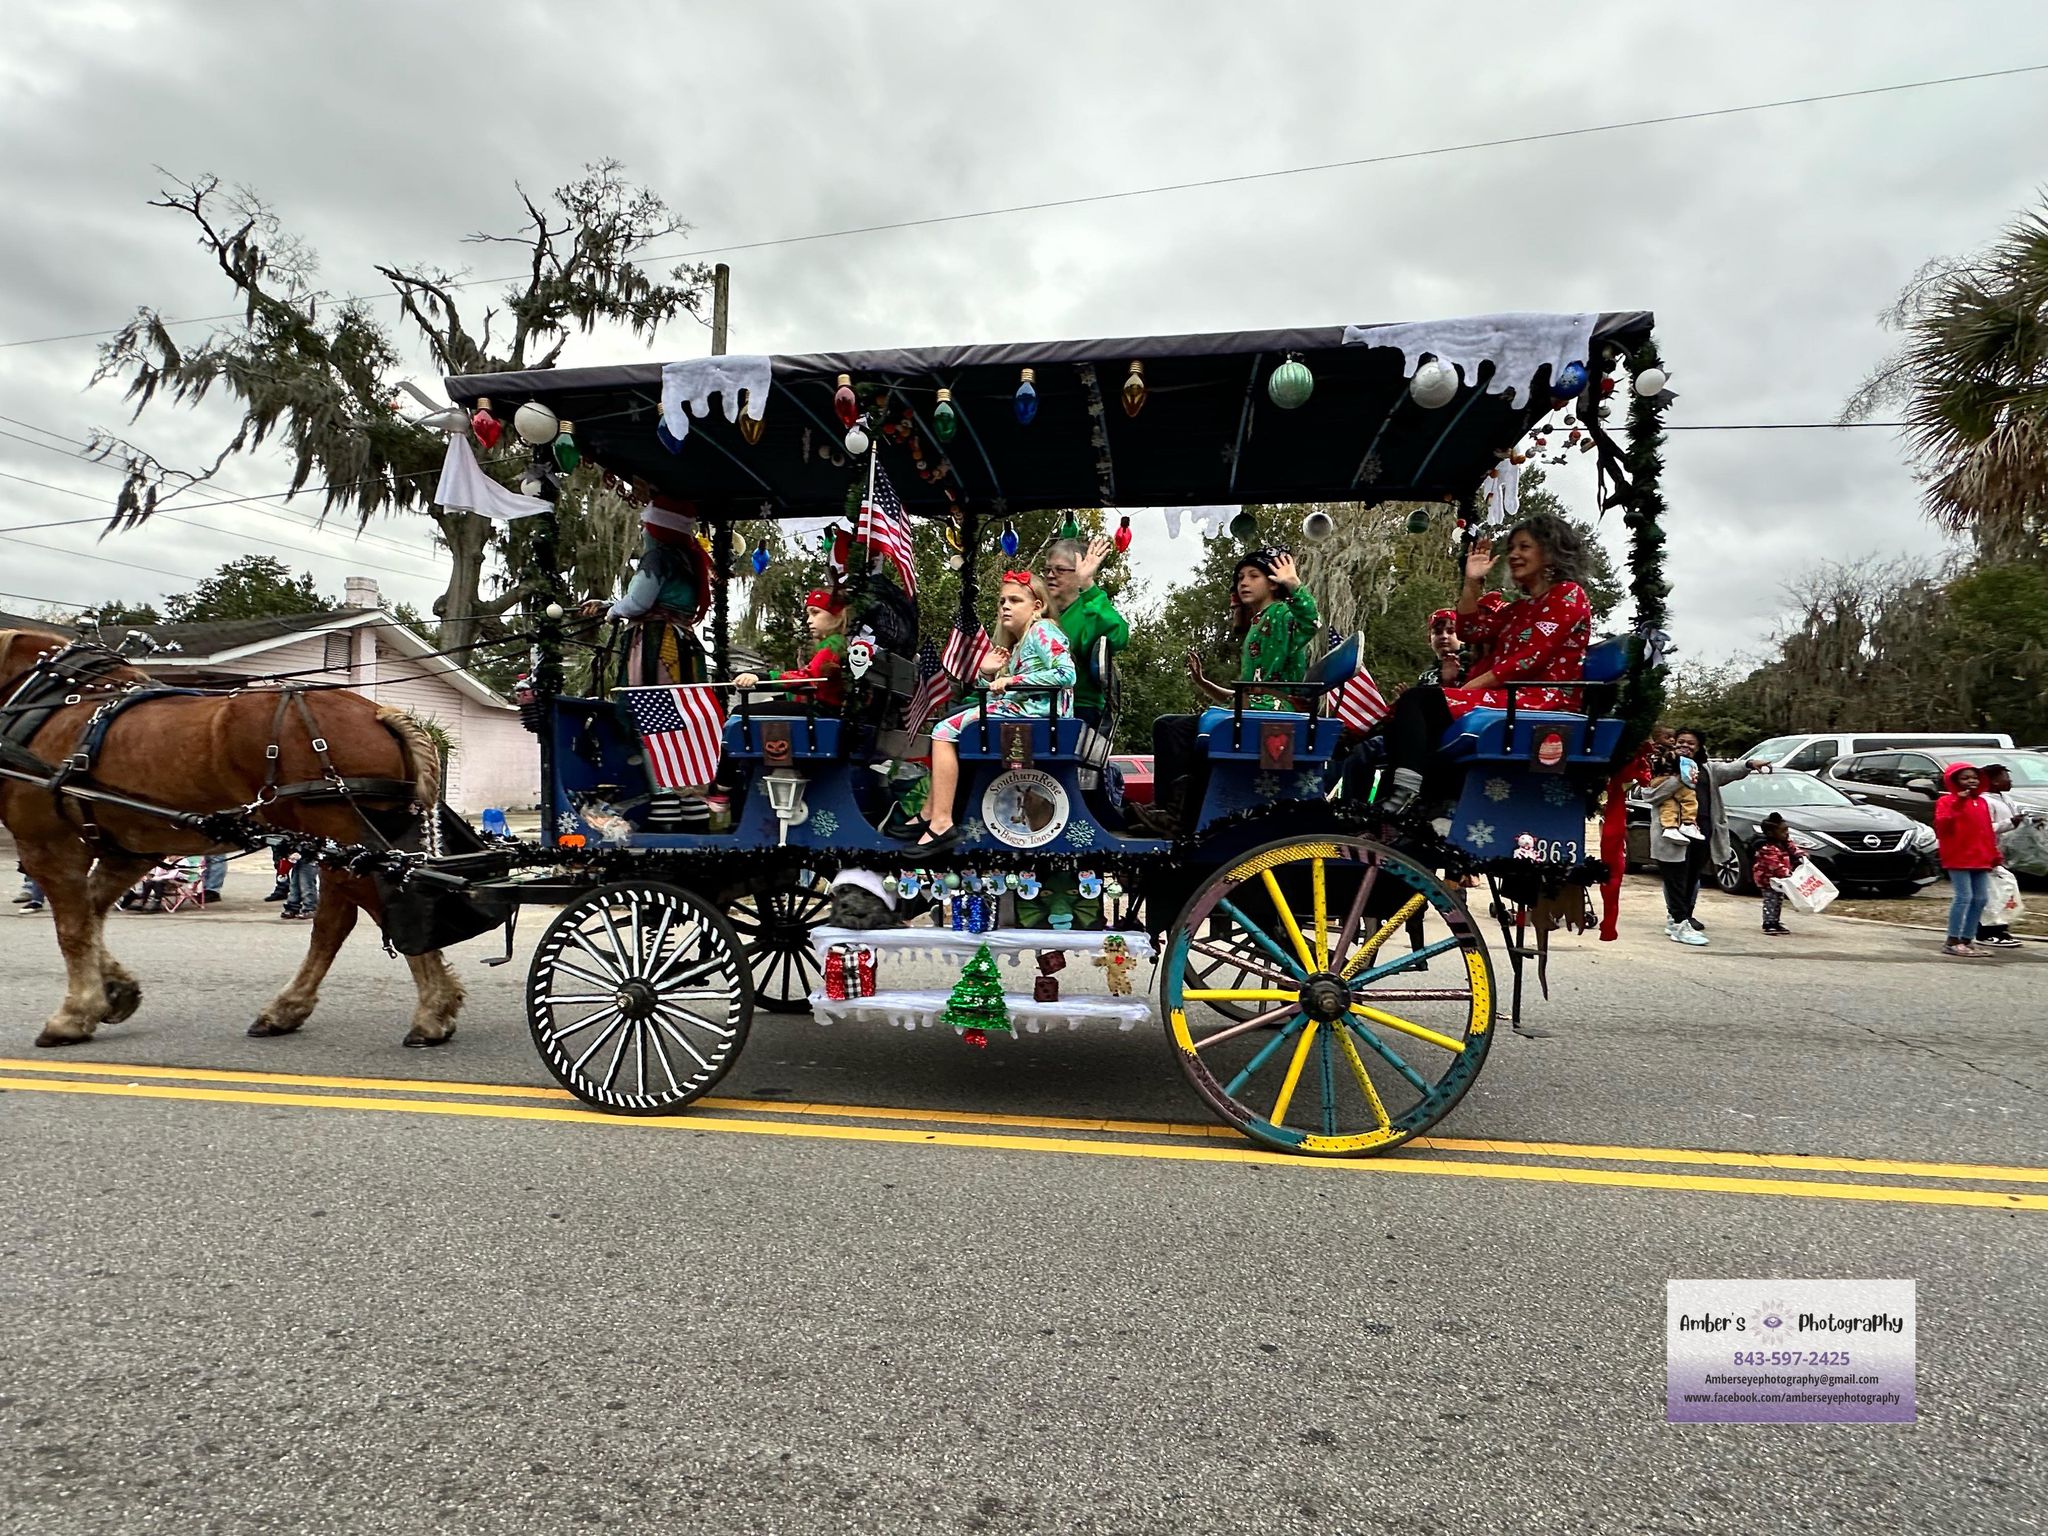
{"x": 1007, "y": 738}
{"x": 1484, "y": 736}
{"x": 1313, "y": 738}
{"x": 778, "y": 739}
{"x": 1341, "y": 663}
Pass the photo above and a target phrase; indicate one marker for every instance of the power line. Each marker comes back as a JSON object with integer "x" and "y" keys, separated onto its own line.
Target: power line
{"x": 1047, "y": 204}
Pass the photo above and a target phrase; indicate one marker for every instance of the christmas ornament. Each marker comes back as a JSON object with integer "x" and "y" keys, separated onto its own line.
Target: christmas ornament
{"x": 945, "y": 421}
{"x": 864, "y": 971}
{"x": 856, "y": 441}
{"x": 1418, "y": 521}
{"x": 835, "y": 972}
{"x": 976, "y": 1005}
{"x": 1089, "y": 885}
{"x": 487, "y": 428}
{"x": 1570, "y": 380}
{"x": 1009, "y": 540}
{"x": 910, "y": 885}
{"x": 1650, "y": 383}
{"x": 567, "y": 454}
{"x": 1134, "y": 389}
{"x": 1025, "y": 401}
{"x": 1318, "y": 526}
{"x": 956, "y": 910}
{"x": 844, "y": 406}
{"x": 1116, "y": 963}
{"x": 760, "y": 559}
{"x": 751, "y": 426}
{"x": 1606, "y": 388}
{"x": 667, "y": 438}
{"x": 1028, "y": 887}
{"x": 1244, "y": 528}
{"x": 1435, "y": 384}
{"x": 1290, "y": 385}
{"x": 535, "y": 424}
{"x": 978, "y": 1038}
{"x": 1070, "y": 527}
{"x": 1122, "y": 537}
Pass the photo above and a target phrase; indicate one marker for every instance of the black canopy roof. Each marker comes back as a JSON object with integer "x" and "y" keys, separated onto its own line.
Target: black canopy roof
{"x": 1207, "y": 434}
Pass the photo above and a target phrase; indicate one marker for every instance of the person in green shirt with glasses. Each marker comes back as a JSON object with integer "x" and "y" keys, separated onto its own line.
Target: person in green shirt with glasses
{"x": 1084, "y": 614}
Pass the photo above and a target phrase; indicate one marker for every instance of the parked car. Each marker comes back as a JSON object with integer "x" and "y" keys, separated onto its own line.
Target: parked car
{"x": 1859, "y": 847}
{"x": 1137, "y": 776}
{"x": 1812, "y": 752}
{"x": 1910, "y": 782}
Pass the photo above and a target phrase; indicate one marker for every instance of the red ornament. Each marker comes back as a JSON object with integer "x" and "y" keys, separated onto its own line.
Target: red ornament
{"x": 843, "y": 404}
{"x": 1123, "y": 535}
{"x": 978, "y": 1038}
{"x": 488, "y": 428}
{"x": 1606, "y": 387}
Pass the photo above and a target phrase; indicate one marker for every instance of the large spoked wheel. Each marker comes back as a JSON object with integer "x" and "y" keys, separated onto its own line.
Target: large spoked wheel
{"x": 774, "y": 920}
{"x": 638, "y": 998}
{"x": 1370, "y": 988}
{"x": 1222, "y": 959}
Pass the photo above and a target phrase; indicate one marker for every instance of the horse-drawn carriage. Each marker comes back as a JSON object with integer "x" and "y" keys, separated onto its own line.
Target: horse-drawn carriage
{"x": 1326, "y": 986}
{"x": 1325, "y": 983}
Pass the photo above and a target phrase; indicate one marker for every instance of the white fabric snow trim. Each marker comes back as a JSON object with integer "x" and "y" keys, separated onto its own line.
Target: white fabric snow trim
{"x": 1208, "y": 521}
{"x": 865, "y": 880}
{"x": 696, "y": 380}
{"x": 1516, "y": 345}
{"x": 464, "y": 487}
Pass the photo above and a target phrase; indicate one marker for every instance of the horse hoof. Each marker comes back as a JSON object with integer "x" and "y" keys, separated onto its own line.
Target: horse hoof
{"x": 265, "y": 1029}
{"x": 49, "y": 1040}
{"x": 416, "y": 1040}
{"x": 123, "y": 998}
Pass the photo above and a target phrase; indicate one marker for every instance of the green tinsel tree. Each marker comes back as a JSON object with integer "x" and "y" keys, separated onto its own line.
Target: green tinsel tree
{"x": 976, "y": 1005}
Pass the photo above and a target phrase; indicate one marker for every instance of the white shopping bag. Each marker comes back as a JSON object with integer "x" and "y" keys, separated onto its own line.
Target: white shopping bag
{"x": 2005, "y": 903}
{"x": 1806, "y": 887}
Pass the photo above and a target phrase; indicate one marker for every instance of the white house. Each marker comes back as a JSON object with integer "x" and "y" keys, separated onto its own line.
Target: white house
{"x": 493, "y": 761}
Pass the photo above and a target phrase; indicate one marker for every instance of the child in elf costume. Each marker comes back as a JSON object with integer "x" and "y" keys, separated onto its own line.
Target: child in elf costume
{"x": 825, "y": 618}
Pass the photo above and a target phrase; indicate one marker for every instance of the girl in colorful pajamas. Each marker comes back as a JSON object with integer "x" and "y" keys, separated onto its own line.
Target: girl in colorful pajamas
{"x": 1029, "y": 652}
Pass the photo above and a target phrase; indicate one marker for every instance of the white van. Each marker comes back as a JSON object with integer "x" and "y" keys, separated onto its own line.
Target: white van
{"x": 1810, "y": 754}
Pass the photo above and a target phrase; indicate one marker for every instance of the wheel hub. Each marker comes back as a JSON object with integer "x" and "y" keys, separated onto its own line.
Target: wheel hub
{"x": 1326, "y": 998}
{"x": 635, "y": 999}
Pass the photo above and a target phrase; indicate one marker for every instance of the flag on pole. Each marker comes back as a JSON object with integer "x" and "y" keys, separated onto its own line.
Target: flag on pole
{"x": 933, "y": 689}
{"x": 885, "y": 527}
{"x": 1359, "y": 704}
{"x": 683, "y": 730}
{"x": 940, "y": 674}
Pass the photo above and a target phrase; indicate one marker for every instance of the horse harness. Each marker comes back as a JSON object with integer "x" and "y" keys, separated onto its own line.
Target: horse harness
{"x": 60, "y": 679}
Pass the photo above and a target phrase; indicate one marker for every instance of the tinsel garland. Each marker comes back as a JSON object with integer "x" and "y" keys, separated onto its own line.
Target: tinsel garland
{"x": 1642, "y": 694}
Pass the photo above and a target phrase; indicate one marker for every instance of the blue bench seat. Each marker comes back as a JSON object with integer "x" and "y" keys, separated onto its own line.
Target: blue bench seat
{"x": 1313, "y": 738}
{"x": 1484, "y": 736}
{"x": 981, "y": 738}
{"x": 809, "y": 740}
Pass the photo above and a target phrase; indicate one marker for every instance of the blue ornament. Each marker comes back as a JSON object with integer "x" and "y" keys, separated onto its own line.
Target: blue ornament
{"x": 910, "y": 885}
{"x": 1025, "y": 401}
{"x": 1570, "y": 381}
{"x": 760, "y": 560}
{"x": 1009, "y": 539}
{"x": 669, "y": 440}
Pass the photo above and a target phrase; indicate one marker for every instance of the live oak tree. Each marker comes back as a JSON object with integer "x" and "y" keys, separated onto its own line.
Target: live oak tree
{"x": 316, "y": 374}
{"x": 253, "y": 587}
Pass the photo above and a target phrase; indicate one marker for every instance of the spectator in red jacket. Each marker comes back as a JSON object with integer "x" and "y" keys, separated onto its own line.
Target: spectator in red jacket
{"x": 1969, "y": 852}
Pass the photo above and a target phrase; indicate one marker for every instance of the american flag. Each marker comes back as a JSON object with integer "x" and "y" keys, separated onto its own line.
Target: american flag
{"x": 1359, "y": 704}
{"x": 683, "y": 729}
{"x": 939, "y": 674}
{"x": 885, "y": 528}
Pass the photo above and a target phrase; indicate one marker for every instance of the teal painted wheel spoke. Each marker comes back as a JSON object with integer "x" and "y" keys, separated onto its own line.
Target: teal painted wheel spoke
{"x": 1266, "y": 1054}
{"x": 1326, "y": 1042}
{"x": 1413, "y": 958}
{"x": 1259, "y": 937}
{"x": 1388, "y": 1054}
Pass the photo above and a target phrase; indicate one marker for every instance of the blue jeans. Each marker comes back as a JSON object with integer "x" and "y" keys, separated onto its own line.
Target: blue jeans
{"x": 216, "y": 873}
{"x": 302, "y": 891}
{"x": 1973, "y": 890}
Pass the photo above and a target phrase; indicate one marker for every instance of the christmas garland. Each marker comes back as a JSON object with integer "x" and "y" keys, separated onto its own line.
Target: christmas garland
{"x": 1642, "y": 696}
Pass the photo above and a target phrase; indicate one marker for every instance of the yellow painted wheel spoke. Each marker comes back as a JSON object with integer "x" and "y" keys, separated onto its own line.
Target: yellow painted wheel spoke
{"x": 1371, "y": 946}
{"x": 1308, "y": 1036}
{"x": 1406, "y": 1028}
{"x": 1287, "y": 917}
{"x": 1238, "y": 995}
{"x": 1322, "y": 915}
{"x": 1372, "y": 1097}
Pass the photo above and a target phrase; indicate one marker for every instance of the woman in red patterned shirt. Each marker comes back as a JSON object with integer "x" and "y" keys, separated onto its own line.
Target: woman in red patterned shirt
{"x": 1540, "y": 635}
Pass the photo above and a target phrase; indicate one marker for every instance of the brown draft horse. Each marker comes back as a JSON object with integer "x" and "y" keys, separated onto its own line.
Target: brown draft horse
{"x": 206, "y": 754}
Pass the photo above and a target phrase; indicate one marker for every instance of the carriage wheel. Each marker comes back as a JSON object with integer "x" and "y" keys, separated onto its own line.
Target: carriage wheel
{"x": 1358, "y": 1039}
{"x": 638, "y": 997}
{"x": 775, "y": 921}
{"x": 1222, "y": 959}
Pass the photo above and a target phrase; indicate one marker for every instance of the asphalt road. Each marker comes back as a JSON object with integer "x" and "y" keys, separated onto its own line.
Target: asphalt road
{"x": 876, "y": 1291}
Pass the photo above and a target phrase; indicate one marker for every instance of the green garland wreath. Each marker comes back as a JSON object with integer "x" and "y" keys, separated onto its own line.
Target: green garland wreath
{"x": 1642, "y": 699}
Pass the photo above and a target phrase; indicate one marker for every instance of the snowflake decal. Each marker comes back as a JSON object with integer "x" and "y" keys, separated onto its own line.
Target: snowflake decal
{"x": 1267, "y": 786}
{"x": 1309, "y": 786}
{"x": 1557, "y": 792}
{"x": 971, "y": 830}
{"x": 1480, "y": 834}
{"x": 1080, "y": 834}
{"x": 1498, "y": 790}
{"x": 825, "y": 823}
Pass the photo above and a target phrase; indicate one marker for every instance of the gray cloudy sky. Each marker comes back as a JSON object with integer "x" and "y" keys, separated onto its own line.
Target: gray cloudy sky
{"x": 1766, "y": 243}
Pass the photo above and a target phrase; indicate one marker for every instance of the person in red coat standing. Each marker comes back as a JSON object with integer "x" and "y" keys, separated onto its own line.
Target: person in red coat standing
{"x": 1969, "y": 852}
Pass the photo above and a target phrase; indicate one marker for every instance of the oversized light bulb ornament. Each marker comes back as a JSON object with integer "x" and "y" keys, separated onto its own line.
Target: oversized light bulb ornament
{"x": 856, "y": 441}
{"x": 1650, "y": 383}
{"x": 1070, "y": 527}
{"x": 1570, "y": 380}
{"x": 1318, "y": 526}
{"x": 1122, "y": 537}
{"x": 1134, "y": 389}
{"x": 1418, "y": 521}
{"x": 843, "y": 403}
{"x": 1435, "y": 384}
{"x": 535, "y": 424}
{"x": 1009, "y": 539}
{"x": 1025, "y": 401}
{"x": 1290, "y": 385}
{"x": 487, "y": 428}
{"x": 945, "y": 420}
{"x": 567, "y": 454}
{"x": 751, "y": 426}
{"x": 761, "y": 558}
{"x": 1244, "y": 527}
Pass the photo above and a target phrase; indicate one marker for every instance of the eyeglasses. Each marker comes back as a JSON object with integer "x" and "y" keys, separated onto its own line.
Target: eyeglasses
{"x": 1061, "y": 570}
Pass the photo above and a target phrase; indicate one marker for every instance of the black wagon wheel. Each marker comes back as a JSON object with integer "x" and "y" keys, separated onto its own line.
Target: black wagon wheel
{"x": 774, "y": 918}
{"x": 1373, "y": 988}
{"x": 638, "y": 997}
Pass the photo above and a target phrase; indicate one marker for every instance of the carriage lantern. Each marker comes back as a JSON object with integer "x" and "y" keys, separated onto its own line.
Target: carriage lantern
{"x": 786, "y": 798}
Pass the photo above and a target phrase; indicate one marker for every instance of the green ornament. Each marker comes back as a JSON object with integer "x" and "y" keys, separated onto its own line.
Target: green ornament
{"x": 945, "y": 421}
{"x": 1070, "y": 528}
{"x": 1418, "y": 521}
{"x": 567, "y": 454}
{"x": 1244, "y": 527}
{"x": 1291, "y": 384}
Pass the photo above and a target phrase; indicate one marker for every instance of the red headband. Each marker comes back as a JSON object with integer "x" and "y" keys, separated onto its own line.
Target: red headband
{"x": 1020, "y": 578}
{"x": 819, "y": 597}
{"x": 1443, "y": 616}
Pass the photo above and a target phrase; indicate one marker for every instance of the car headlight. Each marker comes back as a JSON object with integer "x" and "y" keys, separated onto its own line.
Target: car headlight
{"x": 1809, "y": 836}
{"x": 1924, "y": 840}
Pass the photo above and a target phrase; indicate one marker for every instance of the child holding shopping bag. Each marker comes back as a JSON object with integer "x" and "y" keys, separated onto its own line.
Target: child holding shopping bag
{"x": 1775, "y": 857}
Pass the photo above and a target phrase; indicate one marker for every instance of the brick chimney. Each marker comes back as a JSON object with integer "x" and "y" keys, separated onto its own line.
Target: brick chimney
{"x": 361, "y": 592}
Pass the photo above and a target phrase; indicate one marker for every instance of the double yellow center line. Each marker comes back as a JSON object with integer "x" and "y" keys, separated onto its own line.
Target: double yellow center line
{"x": 1164, "y": 1141}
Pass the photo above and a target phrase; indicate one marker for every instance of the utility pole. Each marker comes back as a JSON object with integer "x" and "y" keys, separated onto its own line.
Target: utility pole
{"x": 721, "y": 302}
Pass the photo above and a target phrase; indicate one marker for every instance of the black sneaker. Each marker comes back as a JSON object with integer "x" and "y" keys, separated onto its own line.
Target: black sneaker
{"x": 280, "y": 893}
{"x": 1700, "y": 927}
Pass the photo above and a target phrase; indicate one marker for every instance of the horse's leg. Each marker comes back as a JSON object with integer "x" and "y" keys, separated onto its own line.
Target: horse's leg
{"x": 111, "y": 877}
{"x": 333, "y": 920}
{"x": 433, "y": 1021}
{"x": 66, "y": 881}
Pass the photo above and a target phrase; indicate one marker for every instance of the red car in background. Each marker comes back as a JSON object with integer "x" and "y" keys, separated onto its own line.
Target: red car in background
{"x": 1137, "y": 775}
